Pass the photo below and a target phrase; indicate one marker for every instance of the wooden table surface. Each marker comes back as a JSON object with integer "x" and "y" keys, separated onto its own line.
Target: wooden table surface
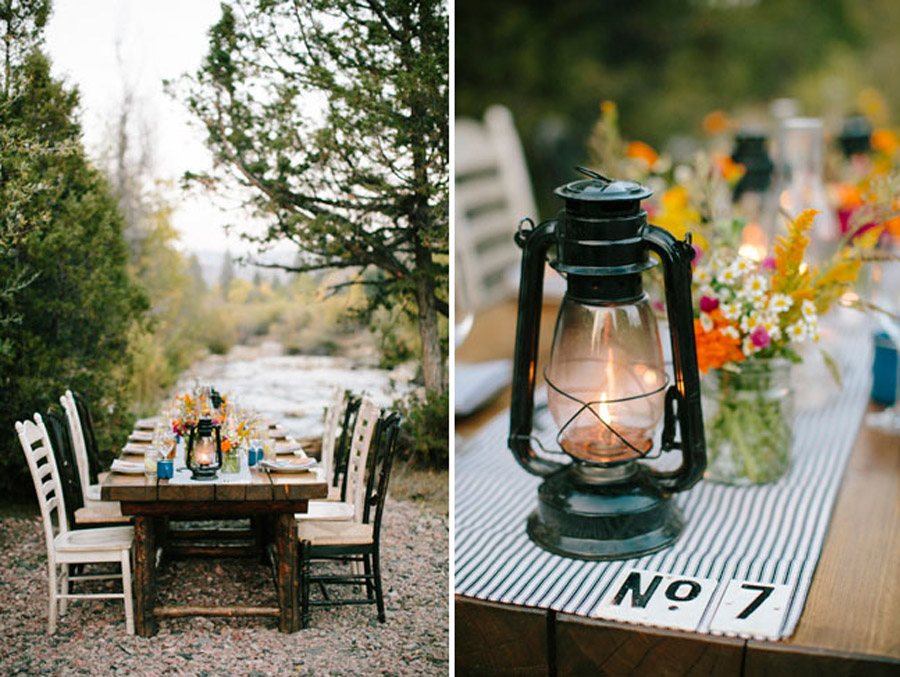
{"x": 850, "y": 624}
{"x": 266, "y": 496}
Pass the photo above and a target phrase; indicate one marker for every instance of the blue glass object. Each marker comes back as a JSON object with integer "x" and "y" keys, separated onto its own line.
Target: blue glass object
{"x": 884, "y": 370}
{"x": 165, "y": 469}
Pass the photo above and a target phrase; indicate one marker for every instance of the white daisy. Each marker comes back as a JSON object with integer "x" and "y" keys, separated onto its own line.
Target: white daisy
{"x": 780, "y": 303}
{"x": 751, "y": 322}
{"x": 706, "y": 322}
{"x": 808, "y": 308}
{"x": 756, "y": 286}
{"x": 743, "y": 265}
{"x": 702, "y": 275}
{"x": 747, "y": 346}
{"x": 728, "y": 276}
{"x": 797, "y": 332}
{"x": 730, "y": 331}
{"x": 731, "y": 311}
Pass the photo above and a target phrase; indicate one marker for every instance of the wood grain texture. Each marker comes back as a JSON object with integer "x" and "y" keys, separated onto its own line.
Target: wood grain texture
{"x": 585, "y": 646}
{"x": 144, "y": 575}
{"x": 853, "y": 607}
{"x": 186, "y": 510}
{"x": 287, "y": 583}
{"x": 497, "y": 639}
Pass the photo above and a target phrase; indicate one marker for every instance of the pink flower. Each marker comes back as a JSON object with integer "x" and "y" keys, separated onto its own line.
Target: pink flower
{"x": 708, "y": 303}
{"x": 698, "y": 254}
{"x": 768, "y": 263}
{"x": 760, "y": 337}
{"x": 658, "y": 306}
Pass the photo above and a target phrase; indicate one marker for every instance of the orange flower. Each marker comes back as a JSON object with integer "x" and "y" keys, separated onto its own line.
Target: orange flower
{"x": 893, "y": 226}
{"x": 642, "y": 151}
{"x": 885, "y": 141}
{"x": 848, "y": 195}
{"x": 730, "y": 170}
{"x": 715, "y": 348}
{"x": 716, "y": 122}
{"x": 226, "y": 445}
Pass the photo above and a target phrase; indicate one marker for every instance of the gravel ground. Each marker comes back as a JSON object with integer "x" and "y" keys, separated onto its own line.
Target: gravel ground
{"x": 91, "y": 637}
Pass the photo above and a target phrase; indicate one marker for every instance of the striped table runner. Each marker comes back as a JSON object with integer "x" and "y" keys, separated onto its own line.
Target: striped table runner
{"x": 771, "y": 534}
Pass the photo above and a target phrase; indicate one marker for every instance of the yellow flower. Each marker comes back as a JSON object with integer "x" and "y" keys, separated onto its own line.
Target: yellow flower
{"x": 678, "y": 217}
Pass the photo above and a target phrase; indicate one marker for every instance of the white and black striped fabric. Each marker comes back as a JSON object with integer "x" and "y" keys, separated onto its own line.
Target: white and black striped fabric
{"x": 768, "y": 534}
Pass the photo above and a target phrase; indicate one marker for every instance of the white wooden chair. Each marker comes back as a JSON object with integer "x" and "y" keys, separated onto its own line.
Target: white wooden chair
{"x": 493, "y": 193}
{"x": 90, "y": 492}
{"x": 333, "y": 414}
{"x": 65, "y": 546}
{"x": 360, "y": 446}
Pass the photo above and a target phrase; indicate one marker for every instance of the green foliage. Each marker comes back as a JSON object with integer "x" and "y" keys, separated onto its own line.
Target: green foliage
{"x": 333, "y": 113}
{"x": 424, "y": 438}
{"x": 666, "y": 63}
{"x": 78, "y": 312}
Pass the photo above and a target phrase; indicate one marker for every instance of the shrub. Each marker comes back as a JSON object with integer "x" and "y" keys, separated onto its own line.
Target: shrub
{"x": 424, "y": 438}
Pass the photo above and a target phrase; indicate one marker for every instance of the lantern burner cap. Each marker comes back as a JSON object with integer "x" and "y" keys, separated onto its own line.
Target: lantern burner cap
{"x": 599, "y": 188}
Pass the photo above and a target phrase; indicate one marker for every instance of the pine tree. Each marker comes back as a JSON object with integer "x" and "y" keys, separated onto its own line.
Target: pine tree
{"x": 75, "y": 315}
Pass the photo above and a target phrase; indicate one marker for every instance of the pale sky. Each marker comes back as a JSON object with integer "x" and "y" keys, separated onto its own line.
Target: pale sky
{"x": 159, "y": 39}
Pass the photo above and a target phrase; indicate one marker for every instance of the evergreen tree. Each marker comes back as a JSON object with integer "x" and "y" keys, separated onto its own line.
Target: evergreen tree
{"x": 76, "y": 314}
{"x": 334, "y": 114}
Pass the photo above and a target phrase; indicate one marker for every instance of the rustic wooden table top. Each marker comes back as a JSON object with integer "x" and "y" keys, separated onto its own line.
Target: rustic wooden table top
{"x": 851, "y": 622}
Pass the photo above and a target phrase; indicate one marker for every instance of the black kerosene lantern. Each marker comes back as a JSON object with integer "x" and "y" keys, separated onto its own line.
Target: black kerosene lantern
{"x": 607, "y": 383}
{"x": 204, "y": 450}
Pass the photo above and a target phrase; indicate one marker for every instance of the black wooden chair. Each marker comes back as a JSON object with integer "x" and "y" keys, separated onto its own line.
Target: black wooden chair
{"x": 90, "y": 439}
{"x": 58, "y": 432}
{"x": 351, "y": 542}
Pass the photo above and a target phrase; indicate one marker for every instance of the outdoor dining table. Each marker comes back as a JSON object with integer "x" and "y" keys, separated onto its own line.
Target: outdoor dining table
{"x": 152, "y": 502}
{"x": 850, "y": 624}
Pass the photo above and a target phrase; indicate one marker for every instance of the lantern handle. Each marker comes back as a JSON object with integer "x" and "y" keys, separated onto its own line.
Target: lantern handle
{"x": 682, "y": 403}
{"x": 535, "y": 244}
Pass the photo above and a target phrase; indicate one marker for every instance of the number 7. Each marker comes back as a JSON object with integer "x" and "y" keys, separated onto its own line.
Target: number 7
{"x": 764, "y": 592}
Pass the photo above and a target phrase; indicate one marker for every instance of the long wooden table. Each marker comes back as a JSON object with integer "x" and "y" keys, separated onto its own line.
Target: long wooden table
{"x": 850, "y": 625}
{"x": 153, "y": 502}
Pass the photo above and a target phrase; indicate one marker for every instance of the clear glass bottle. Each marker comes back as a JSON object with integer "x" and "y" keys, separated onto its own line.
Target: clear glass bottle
{"x": 800, "y": 185}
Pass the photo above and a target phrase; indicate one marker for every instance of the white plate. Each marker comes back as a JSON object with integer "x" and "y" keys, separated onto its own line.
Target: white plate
{"x": 132, "y": 448}
{"x": 141, "y": 436}
{"x": 146, "y": 423}
{"x": 288, "y": 466}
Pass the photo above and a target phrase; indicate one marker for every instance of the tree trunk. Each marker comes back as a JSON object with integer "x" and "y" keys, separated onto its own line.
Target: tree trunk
{"x": 429, "y": 335}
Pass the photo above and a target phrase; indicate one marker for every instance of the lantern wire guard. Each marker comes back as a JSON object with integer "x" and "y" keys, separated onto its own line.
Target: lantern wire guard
{"x": 589, "y": 406}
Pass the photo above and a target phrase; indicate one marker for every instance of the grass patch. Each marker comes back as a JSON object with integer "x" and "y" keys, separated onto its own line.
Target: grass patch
{"x": 431, "y": 488}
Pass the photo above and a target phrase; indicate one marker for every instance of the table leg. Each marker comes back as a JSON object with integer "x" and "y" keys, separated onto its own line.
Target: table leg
{"x": 288, "y": 580}
{"x": 145, "y": 575}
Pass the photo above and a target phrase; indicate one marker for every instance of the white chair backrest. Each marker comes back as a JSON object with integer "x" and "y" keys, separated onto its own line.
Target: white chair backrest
{"x": 79, "y": 446}
{"x": 333, "y": 414}
{"x": 360, "y": 446}
{"x": 493, "y": 193}
{"x": 42, "y": 464}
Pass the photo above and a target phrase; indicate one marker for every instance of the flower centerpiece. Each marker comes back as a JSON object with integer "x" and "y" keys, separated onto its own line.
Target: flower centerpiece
{"x": 750, "y": 319}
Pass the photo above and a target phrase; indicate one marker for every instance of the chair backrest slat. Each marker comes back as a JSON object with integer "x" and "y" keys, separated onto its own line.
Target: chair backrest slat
{"x": 360, "y": 447}
{"x": 38, "y": 453}
{"x": 377, "y": 485}
{"x": 43, "y": 471}
{"x": 90, "y": 439}
{"x": 342, "y": 451}
{"x": 79, "y": 446}
{"x": 330, "y": 430}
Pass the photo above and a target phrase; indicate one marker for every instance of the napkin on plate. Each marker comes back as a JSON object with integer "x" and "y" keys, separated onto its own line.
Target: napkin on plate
{"x": 141, "y": 436}
{"x": 135, "y": 448}
{"x": 127, "y": 467}
{"x": 276, "y": 466}
{"x": 478, "y": 383}
{"x": 290, "y": 447}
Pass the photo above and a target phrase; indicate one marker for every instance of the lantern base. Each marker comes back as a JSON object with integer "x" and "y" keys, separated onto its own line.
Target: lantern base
{"x": 202, "y": 474}
{"x": 603, "y": 521}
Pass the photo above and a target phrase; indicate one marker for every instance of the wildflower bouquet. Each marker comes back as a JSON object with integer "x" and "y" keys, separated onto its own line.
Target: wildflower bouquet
{"x": 750, "y": 318}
